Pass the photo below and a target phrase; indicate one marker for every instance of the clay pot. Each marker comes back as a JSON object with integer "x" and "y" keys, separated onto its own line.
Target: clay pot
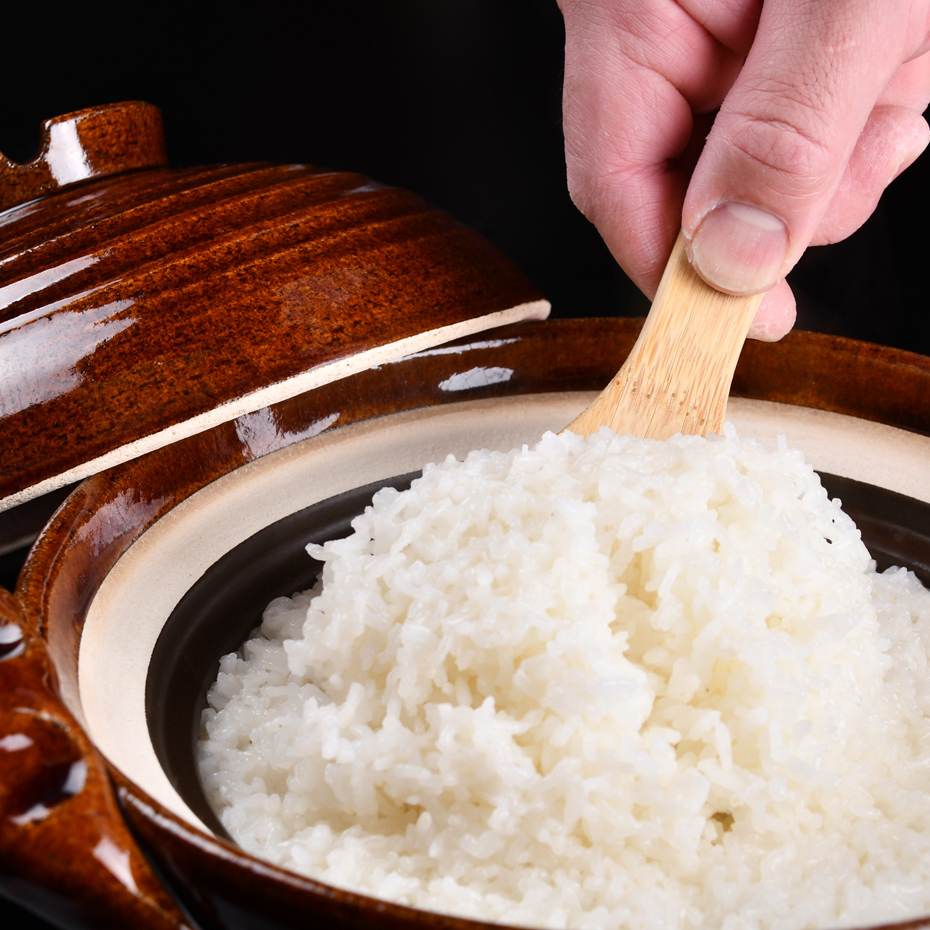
{"x": 154, "y": 568}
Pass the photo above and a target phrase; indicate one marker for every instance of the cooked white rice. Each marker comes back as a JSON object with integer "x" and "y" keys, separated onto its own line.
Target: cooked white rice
{"x": 595, "y": 683}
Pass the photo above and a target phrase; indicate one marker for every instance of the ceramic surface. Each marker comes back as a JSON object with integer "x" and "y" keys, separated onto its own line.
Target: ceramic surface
{"x": 139, "y": 305}
{"x": 882, "y": 393}
{"x": 216, "y": 561}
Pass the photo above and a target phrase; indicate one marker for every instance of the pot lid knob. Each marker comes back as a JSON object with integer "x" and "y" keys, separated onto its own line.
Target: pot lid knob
{"x": 86, "y": 144}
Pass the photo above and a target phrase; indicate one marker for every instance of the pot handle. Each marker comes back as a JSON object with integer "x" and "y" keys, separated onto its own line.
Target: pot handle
{"x": 65, "y": 850}
{"x": 86, "y": 144}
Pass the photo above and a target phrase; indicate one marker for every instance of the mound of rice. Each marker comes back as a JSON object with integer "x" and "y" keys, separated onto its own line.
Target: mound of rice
{"x": 595, "y": 683}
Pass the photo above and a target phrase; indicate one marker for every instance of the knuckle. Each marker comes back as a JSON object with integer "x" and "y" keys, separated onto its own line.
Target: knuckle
{"x": 790, "y": 157}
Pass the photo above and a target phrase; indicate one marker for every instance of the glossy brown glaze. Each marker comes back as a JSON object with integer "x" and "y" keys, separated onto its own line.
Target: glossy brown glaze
{"x": 65, "y": 851}
{"x": 139, "y": 306}
{"x": 222, "y": 886}
{"x": 83, "y": 145}
{"x": 843, "y": 375}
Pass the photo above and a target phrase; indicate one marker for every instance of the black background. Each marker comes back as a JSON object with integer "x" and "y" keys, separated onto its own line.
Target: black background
{"x": 458, "y": 100}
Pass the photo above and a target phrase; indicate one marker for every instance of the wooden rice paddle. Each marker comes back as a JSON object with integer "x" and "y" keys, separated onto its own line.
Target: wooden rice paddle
{"x": 677, "y": 377}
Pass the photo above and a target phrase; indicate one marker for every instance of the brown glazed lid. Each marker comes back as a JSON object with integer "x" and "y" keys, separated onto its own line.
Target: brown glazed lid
{"x": 140, "y": 304}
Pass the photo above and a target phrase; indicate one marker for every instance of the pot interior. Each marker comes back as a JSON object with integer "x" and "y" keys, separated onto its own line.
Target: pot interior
{"x": 219, "y": 612}
{"x": 195, "y": 583}
{"x": 222, "y": 608}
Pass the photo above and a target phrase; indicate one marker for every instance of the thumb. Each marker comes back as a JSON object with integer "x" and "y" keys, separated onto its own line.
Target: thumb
{"x": 786, "y": 132}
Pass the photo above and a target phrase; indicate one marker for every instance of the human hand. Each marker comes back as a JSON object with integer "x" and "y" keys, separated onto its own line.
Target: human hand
{"x": 820, "y": 105}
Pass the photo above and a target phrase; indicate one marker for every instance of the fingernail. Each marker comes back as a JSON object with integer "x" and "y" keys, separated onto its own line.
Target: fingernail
{"x": 739, "y": 249}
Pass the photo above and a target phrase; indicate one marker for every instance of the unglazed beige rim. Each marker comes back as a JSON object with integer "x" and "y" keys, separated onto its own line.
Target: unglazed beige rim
{"x": 154, "y": 574}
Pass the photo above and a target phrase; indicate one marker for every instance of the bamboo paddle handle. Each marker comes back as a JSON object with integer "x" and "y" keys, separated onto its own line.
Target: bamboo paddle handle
{"x": 678, "y": 374}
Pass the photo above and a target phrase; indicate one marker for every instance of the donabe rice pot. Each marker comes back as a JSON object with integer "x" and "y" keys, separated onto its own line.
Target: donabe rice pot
{"x": 594, "y": 683}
